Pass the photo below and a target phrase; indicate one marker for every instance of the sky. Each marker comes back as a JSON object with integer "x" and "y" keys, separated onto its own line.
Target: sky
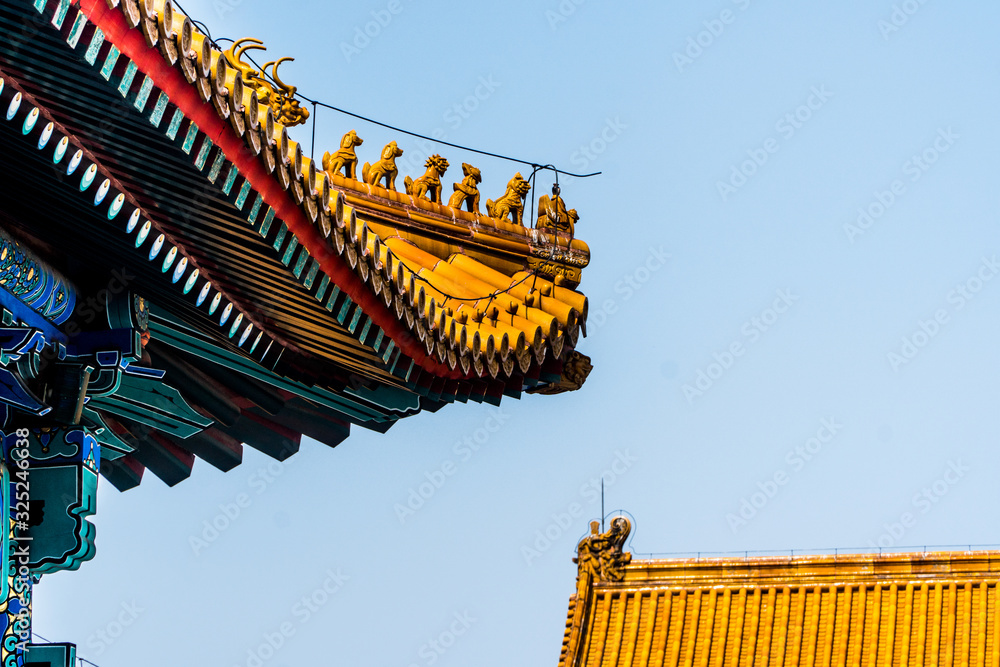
{"x": 794, "y": 303}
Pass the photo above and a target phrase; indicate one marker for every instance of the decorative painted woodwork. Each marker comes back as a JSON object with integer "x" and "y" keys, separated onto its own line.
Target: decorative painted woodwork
{"x": 179, "y": 279}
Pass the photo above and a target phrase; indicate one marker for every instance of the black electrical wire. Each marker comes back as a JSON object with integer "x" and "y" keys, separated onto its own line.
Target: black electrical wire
{"x": 534, "y": 165}
{"x": 492, "y": 296}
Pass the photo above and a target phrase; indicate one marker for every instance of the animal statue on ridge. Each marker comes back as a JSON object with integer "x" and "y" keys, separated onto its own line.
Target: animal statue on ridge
{"x": 553, "y": 216}
{"x": 468, "y": 190}
{"x": 512, "y": 202}
{"x": 430, "y": 182}
{"x": 345, "y": 158}
{"x": 384, "y": 169}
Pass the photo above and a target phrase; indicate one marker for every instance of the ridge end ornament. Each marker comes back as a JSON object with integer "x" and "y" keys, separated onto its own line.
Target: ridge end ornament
{"x": 553, "y": 216}
{"x": 600, "y": 554}
{"x": 576, "y": 370}
{"x": 280, "y": 97}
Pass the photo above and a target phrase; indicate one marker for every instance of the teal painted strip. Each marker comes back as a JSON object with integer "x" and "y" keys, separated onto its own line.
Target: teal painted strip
{"x": 323, "y": 284}
{"x": 388, "y": 351}
{"x": 255, "y": 210}
{"x": 300, "y": 265}
{"x": 279, "y": 238}
{"x": 127, "y": 79}
{"x": 143, "y": 96}
{"x": 161, "y": 106}
{"x": 40, "y": 5}
{"x": 265, "y": 226}
{"x": 311, "y": 276}
{"x": 378, "y": 339}
{"x": 165, "y": 330}
{"x": 175, "y": 125}
{"x": 342, "y": 315}
{"x": 107, "y": 438}
{"x": 189, "y": 139}
{"x": 77, "y": 30}
{"x": 230, "y": 180}
{"x": 206, "y": 146}
{"x": 109, "y": 62}
{"x": 365, "y": 329}
{"x": 409, "y": 371}
{"x": 395, "y": 362}
{"x": 220, "y": 159}
{"x": 96, "y": 42}
{"x": 355, "y": 319}
{"x": 241, "y": 199}
{"x": 388, "y": 397}
{"x": 334, "y": 293}
{"x": 60, "y": 15}
{"x": 286, "y": 259}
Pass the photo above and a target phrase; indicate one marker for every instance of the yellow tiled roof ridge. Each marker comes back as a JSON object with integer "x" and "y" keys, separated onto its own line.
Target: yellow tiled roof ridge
{"x": 904, "y": 608}
{"x": 226, "y": 84}
{"x": 498, "y": 334}
{"x": 471, "y": 293}
{"x": 850, "y": 567}
{"x": 363, "y": 195}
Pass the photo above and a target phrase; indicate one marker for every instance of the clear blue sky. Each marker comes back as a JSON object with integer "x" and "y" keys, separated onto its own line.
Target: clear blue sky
{"x": 779, "y": 321}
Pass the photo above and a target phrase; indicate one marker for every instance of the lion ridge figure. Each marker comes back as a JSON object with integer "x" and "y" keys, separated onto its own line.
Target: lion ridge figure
{"x": 430, "y": 182}
{"x": 345, "y": 158}
{"x": 512, "y": 202}
{"x": 385, "y": 168}
{"x": 467, "y": 191}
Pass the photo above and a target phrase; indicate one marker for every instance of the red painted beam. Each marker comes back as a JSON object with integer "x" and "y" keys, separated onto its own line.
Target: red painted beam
{"x": 150, "y": 62}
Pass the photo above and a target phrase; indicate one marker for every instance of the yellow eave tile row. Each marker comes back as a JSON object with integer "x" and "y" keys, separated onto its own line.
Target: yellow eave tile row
{"x": 900, "y": 609}
{"x": 451, "y": 304}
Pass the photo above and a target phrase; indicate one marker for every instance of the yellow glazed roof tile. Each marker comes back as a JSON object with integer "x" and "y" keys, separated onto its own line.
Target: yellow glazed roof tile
{"x": 482, "y": 290}
{"x": 939, "y": 608}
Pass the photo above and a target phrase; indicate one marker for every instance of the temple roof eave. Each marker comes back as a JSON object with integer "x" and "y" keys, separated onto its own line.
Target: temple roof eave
{"x": 223, "y": 104}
